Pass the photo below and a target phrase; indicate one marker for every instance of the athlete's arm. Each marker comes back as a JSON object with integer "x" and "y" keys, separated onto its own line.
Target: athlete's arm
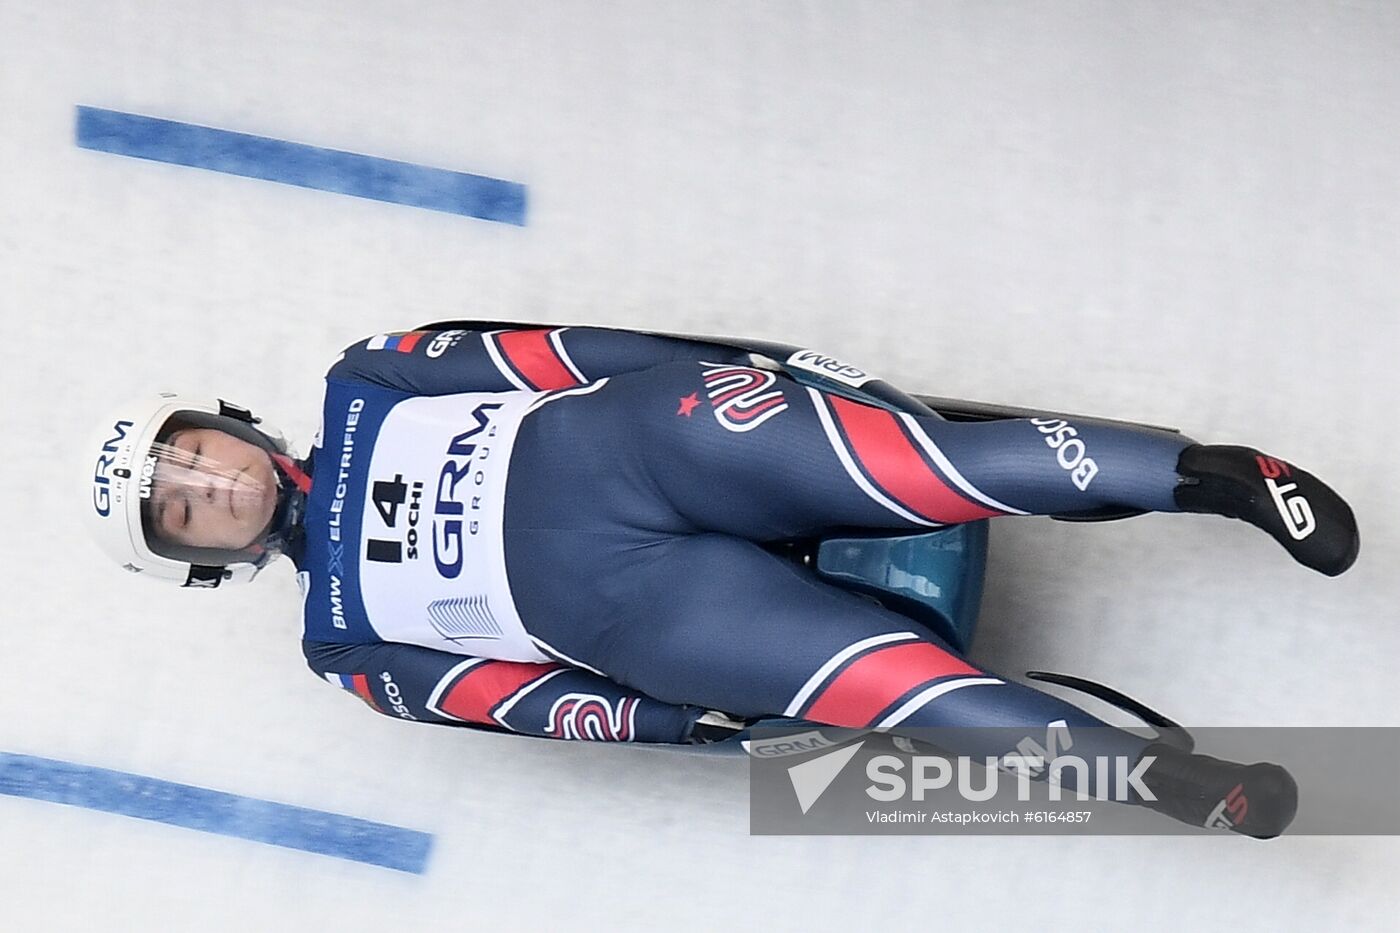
{"x": 536, "y": 359}
{"x": 553, "y": 700}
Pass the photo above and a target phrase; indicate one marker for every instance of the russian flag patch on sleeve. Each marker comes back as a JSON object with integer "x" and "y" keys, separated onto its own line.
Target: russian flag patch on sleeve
{"x": 403, "y": 342}
{"x": 357, "y": 684}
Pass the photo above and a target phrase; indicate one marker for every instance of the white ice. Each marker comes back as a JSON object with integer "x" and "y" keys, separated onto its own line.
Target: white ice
{"x": 1181, "y": 213}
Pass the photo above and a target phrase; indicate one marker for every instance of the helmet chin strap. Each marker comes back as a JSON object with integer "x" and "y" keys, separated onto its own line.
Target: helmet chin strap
{"x": 295, "y": 486}
{"x": 296, "y": 474}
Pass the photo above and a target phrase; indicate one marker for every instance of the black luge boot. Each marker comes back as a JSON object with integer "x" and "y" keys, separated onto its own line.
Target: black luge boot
{"x": 1256, "y": 800}
{"x": 1300, "y": 511}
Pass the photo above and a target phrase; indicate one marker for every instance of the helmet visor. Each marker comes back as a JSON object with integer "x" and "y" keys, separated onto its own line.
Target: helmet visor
{"x": 207, "y": 496}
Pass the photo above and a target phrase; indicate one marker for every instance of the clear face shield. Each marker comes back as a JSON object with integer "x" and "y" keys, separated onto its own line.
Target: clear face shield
{"x": 207, "y": 495}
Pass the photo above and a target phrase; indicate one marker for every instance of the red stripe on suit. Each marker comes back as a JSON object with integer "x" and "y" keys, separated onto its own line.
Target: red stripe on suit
{"x": 898, "y": 467}
{"x": 535, "y": 359}
{"x": 874, "y": 681}
{"x": 485, "y": 685}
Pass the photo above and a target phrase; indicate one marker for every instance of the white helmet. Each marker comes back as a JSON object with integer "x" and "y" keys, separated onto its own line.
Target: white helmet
{"x": 120, "y": 477}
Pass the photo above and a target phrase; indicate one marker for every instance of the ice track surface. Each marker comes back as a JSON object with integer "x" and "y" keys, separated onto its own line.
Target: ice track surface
{"x": 1180, "y": 213}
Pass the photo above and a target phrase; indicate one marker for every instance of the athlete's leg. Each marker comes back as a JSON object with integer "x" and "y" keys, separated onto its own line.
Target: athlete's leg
{"x": 747, "y": 452}
{"x": 716, "y": 621}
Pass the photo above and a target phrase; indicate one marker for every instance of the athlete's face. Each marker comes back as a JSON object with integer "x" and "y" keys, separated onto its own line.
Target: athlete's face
{"x": 212, "y": 490}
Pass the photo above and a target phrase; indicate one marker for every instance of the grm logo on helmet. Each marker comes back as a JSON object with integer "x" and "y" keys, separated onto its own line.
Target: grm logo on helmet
{"x": 101, "y": 483}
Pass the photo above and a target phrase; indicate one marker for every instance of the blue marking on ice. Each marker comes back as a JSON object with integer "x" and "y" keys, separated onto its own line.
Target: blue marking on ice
{"x": 213, "y": 811}
{"x": 290, "y": 163}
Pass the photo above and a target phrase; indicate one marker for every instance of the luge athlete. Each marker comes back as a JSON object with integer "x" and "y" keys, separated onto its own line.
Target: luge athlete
{"x": 561, "y": 532}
